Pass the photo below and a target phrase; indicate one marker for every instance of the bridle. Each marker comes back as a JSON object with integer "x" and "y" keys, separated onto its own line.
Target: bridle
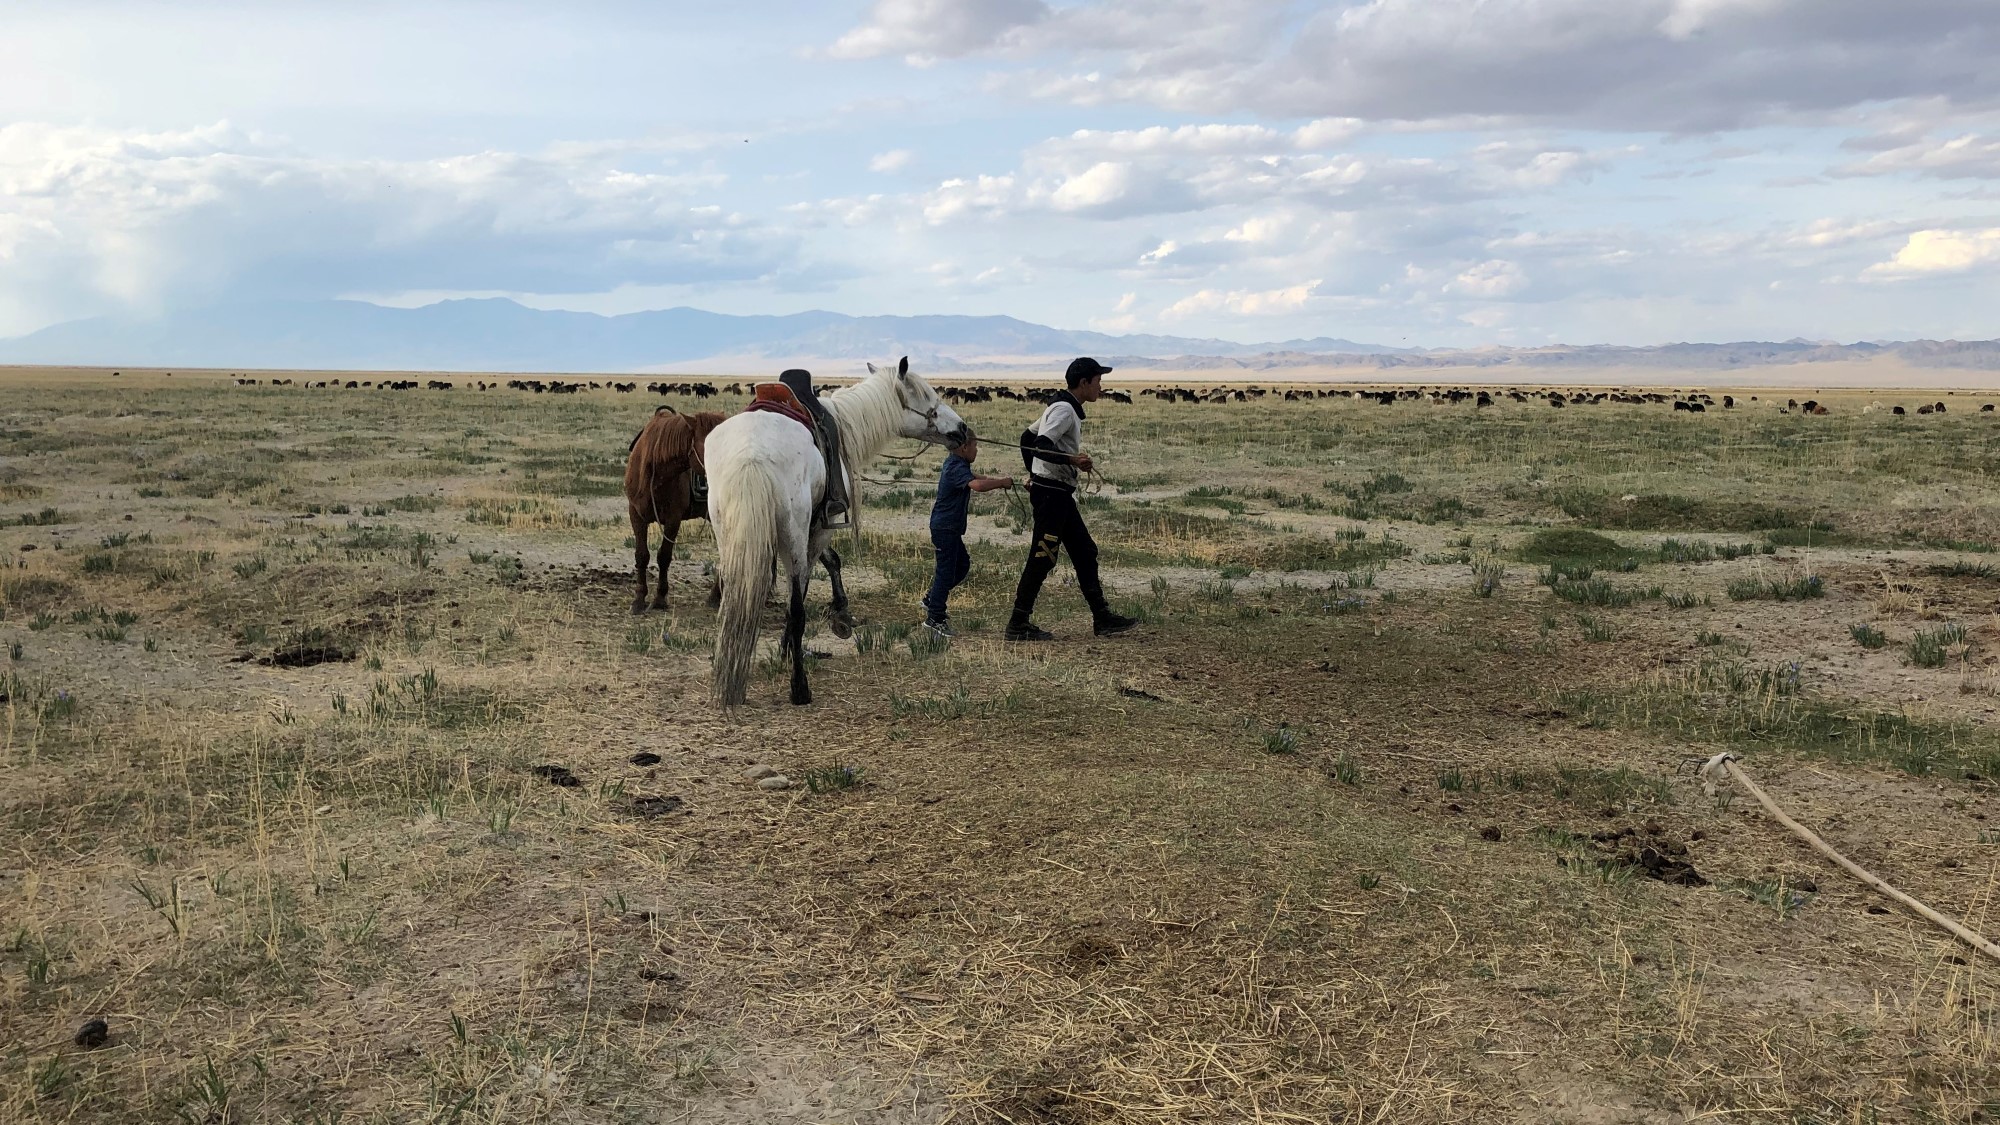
{"x": 930, "y": 416}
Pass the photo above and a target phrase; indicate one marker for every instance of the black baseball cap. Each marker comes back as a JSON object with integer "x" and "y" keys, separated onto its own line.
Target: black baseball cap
{"x": 1084, "y": 367}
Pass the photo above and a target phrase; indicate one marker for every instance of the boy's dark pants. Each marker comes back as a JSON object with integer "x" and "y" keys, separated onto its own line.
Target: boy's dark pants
{"x": 954, "y": 562}
{"x": 1058, "y": 524}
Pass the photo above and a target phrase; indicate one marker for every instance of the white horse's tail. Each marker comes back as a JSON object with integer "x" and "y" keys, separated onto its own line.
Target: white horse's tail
{"x": 746, "y": 545}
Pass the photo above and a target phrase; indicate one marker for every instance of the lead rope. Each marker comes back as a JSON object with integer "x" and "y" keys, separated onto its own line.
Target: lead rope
{"x": 1724, "y": 765}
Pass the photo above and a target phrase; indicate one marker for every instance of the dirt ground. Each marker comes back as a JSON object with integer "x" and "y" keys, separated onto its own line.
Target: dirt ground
{"x": 338, "y": 779}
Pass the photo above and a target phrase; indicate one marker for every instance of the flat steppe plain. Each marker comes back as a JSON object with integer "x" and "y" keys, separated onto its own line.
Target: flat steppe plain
{"x": 1382, "y": 815}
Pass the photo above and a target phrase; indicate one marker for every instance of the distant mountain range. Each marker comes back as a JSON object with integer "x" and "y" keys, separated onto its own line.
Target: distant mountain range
{"x": 499, "y": 335}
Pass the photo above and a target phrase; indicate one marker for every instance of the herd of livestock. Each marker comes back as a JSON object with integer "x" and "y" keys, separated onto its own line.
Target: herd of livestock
{"x": 1696, "y": 402}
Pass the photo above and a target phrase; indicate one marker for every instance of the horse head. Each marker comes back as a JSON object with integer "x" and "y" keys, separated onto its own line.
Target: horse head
{"x": 926, "y": 416}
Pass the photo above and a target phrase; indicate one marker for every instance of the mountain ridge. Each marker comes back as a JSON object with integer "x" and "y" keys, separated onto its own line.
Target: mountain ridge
{"x": 487, "y": 334}
{"x": 498, "y": 334}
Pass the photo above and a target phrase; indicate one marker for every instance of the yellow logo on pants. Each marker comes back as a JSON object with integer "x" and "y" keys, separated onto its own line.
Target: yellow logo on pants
{"x": 1048, "y": 547}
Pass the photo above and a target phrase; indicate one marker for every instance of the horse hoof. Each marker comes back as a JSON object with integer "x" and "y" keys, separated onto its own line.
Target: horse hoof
{"x": 842, "y": 627}
{"x": 638, "y": 608}
{"x": 802, "y": 697}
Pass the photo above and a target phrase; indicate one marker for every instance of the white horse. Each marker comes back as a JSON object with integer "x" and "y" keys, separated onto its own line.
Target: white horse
{"x": 765, "y": 478}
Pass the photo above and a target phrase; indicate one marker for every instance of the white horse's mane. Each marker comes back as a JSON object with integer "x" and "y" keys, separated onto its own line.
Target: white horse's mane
{"x": 868, "y": 413}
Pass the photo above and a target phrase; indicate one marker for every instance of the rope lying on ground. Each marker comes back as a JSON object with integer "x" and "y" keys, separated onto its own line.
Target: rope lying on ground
{"x": 1724, "y": 764}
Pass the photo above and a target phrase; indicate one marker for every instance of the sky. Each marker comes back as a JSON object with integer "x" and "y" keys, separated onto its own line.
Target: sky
{"x": 1441, "y": 173}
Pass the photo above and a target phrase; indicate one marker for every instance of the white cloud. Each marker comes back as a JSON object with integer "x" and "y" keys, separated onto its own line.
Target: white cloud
{"x": 1123, "y": 319}
{"x": 1824, "y": 234}
{"x": 924, "y": 30}
{"x": 1528, "y": 165}
{"x": 1268, "y": 302}
{"x": 1940, "y": 252}
{"x": 895, "y": 160}
{"x": 960, "y": 198}
{"x": 1688, "y": 18}
{"x": 1326, "y": 133}
{"x": 1680, "y": 65}
{"x": 1162, "y": 140}
{"x": 1257, "y": 229}
{"x": 1967, "y": 156}
{"x": 91, "y": 219}
{"x": 1489, "y": 280}
{"x": 1098, "y": 186}
{"x": 1118, "y": 175}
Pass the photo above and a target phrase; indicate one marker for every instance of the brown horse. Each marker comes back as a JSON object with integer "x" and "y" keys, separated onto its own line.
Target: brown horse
{"x": 659, "y": 488}
{"x": 660, "y": 466}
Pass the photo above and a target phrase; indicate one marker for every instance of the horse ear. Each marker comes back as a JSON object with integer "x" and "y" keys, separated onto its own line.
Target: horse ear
{"x": 903, "y": 368}
{"x": 871, "y": 369}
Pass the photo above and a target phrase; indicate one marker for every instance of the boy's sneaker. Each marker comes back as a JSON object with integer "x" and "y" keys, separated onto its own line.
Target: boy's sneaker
{"x": 940, "y": 626}
{"x": 1112, "y": 624}
{"x": 1028, "y": 631}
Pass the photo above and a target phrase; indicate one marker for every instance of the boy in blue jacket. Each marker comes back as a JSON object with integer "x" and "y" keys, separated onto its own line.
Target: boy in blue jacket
{"x": 956, "y": 484}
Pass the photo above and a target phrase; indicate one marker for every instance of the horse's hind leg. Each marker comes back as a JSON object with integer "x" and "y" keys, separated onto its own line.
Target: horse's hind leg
{"x": 795, "y": 635}
{"x": 837, "y": 617}
{"x": 670, "y": 531}
{"x": 641, "y": 527}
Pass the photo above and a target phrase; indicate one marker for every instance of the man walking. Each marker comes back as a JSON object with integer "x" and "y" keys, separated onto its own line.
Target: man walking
{"x": 1056, "y": 463}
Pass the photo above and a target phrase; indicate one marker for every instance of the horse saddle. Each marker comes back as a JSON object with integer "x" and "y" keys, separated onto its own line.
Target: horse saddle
{"x": 832, "y": 513}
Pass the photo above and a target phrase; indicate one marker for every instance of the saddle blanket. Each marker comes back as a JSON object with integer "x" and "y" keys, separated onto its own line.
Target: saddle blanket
{"x": 777, "y": 398}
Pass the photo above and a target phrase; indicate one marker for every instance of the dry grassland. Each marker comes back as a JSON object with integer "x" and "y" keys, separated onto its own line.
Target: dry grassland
{"x": 1381, "y": 816}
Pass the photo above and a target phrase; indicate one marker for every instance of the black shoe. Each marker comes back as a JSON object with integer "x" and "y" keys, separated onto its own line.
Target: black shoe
{"x": 1028, "y": 631}
{"x": 940, "y": 627}
{"x": 1112, "y": 624}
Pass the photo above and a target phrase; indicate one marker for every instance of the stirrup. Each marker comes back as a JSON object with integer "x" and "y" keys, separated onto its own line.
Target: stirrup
{"x": 834, "y": 519}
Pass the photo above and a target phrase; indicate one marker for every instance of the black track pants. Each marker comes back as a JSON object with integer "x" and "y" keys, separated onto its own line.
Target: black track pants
{"x": 1058, "y": 524}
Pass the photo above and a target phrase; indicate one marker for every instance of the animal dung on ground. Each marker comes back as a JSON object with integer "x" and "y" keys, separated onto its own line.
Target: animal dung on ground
{"x": 775, "y": 781}
{"x": 557, "y": 775}
{"x": 1647, "y": 851}
{"x": 1491, "y": 832}
{"x": 645, "y": 758}
{"x": 651, "y": 807}
{"x": 1139, "y": 693}
{"x": 1092, "y": 951}
{"x": 314, "y": 646}
{"x": 93, "y": 1034}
